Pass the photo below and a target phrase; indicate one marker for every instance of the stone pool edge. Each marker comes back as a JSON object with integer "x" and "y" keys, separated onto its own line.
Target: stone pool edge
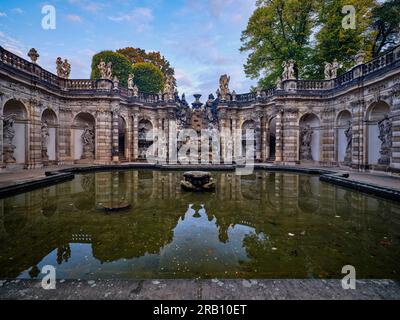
{"x": 325, "y": 175}
{"x": 280, "y": 289}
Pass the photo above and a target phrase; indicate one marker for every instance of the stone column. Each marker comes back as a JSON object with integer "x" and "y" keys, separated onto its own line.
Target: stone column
{"x": 328, "y": 137}
{"x": 115, "y": 133}
{"x": 135, "y": 139}
{"x": 395, "y": 158}
{"x": 34, "y": 138}
{"x": 279, "y": 137}
{"x": 289, "y": 130}
{"x": 103, "y": 136}
{"x": 264, "y": 139}
{"x": 64, "y": 136}
{"x": 359, "y": 160}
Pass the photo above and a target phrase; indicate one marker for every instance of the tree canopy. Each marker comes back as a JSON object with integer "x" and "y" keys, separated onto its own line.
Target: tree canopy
{"x": 148, "y": 77}
{"x": 311, "y": 33}
{"x": 121, "y": 66}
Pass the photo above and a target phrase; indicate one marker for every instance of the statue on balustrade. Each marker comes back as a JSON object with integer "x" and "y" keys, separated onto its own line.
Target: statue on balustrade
{"x": 88, "y": 141}
{"x": 169, "y": 88}
{"x": 305, "y": 143}
{"x": 224, "y": 86}
{"x": 105, "y": 70}
{"x": 63, "y": 68}
{"x": 331, "y": 69}
{"x": 45, "y": 140}
{"x": 109, "y": 71}
{"x": 130, "y": 81}
{"x": 289, "y": 72}
{"x": 8, "y": 136}
{"x": 385, "y": 135}
{"x": 349, "y": 138}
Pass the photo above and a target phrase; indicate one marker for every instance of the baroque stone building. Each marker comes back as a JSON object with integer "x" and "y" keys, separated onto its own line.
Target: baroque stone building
{"x": 352, "y": 120}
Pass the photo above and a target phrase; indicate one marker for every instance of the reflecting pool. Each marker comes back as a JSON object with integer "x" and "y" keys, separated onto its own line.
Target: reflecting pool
{"x": 266, "y": 225}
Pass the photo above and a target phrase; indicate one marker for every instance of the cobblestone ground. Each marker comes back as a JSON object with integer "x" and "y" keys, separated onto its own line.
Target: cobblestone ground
{"x": 201, "y": 290}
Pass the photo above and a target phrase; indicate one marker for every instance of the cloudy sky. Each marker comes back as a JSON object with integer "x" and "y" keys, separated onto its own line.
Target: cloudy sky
{"x": 201, "y": 38}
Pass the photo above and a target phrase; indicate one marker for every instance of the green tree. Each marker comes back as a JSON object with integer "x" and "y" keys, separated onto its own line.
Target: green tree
{"x": 386, "y": 26}
{"x": 148, "y": 77}
{"x": 121, "y": 66}
{"x": 137, "y": 55}
{"x": 335, "y": 42}
{"x": 278, "y": 30}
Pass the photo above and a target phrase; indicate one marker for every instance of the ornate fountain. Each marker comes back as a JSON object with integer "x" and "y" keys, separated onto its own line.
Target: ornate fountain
{"x": 197, "y": 181}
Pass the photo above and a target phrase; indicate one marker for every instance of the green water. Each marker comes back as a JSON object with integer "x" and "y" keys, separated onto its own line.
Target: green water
{"x": 267, "y": 225}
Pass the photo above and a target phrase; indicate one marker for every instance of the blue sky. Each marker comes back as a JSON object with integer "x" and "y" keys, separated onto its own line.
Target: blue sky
{"x": 200, "y": 38}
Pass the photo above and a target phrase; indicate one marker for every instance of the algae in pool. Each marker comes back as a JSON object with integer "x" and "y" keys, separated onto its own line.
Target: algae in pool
{"x": 266, "y": 225}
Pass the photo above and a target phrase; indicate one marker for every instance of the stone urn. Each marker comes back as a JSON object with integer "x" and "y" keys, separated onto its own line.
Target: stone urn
{"x": 197, "y": 181}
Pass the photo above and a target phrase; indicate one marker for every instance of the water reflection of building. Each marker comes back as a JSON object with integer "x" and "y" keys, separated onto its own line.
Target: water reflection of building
{"x": 36, "y": 223}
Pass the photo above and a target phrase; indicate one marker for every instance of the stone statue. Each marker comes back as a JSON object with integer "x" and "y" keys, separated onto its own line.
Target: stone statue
{"x": 63, "y": 68}
{"x": 67, "y": 69}
{"x": 45, "y": 140}
{"x": 130, "y": 81}
{"x": 103, "y": 69}
{"x": 88, "y": 140}
{"x": 335, "y": 68}
{"x": 33, "y": 55}
{"x": 278, "y": 84}
{"x": 59, "y": 67}
{"x": 328, "y": 70}
{"x": 305, "y": 143}
{"x": 385, "y": 135}
{"x": 224, "y": 86}
{"x": 135, "y": 91}
{"x": 360, "y": 57}
{"x": 109, "y": 71}
{"x": 8, "y": 136}
{"x": 349, "y": 137}
{"x": 289, "y": 70}
{"x": 169, "y": 88}
{"x": 115, "y": 83}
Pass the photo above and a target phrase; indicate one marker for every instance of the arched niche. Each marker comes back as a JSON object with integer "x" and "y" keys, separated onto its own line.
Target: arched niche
{"x": 251, "y": 126}
{"x": 49, "y": 128}
{"x": 272, "y": 139}
{"x": 144, "y": 128}
{"x": 83, "y": 129}
{"x": 15, "y": 132}
{"x": 309, "y": 138}
{"x": 122, "y": 138}
{"x": 375, "y": 113}
{"x": 343, "y": 142}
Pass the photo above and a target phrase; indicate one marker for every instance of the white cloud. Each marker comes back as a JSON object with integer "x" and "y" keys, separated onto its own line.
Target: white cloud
{"x": 18, "y": 10}
{"x": 74, "y": 18}
{"x": 88, "y": 5}
{"x": 3, "y": 14}
{"x": 141, "y": 18}
{"x": 12, "y": 44}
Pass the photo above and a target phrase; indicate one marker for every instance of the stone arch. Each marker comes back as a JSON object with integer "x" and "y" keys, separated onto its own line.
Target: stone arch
{"x": 144, "y": 127}
{"x": 309, "y": 137}
{"x": 15, "y": 132}
{"x": 343, "y": 125}
{"x": 83, "y": 126}
{"x": 50, "y": 129}
{"x": 378, "y": 151}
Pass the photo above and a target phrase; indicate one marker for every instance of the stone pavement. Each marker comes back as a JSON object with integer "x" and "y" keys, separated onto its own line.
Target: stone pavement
{"x": 310, "y": 289}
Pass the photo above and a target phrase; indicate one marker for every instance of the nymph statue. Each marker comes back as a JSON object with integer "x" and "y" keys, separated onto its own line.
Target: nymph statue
{"x": 8, "y": 136}
{"x": 130, "y": 81}
{"x": 349, "y": 137}
{"x": 88, "y": 137}
{"x": 224, "y": 85}
{"x": 385, "y": 135}
{"x": 306, "y": 139}
{"x": 45, "y": 140}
